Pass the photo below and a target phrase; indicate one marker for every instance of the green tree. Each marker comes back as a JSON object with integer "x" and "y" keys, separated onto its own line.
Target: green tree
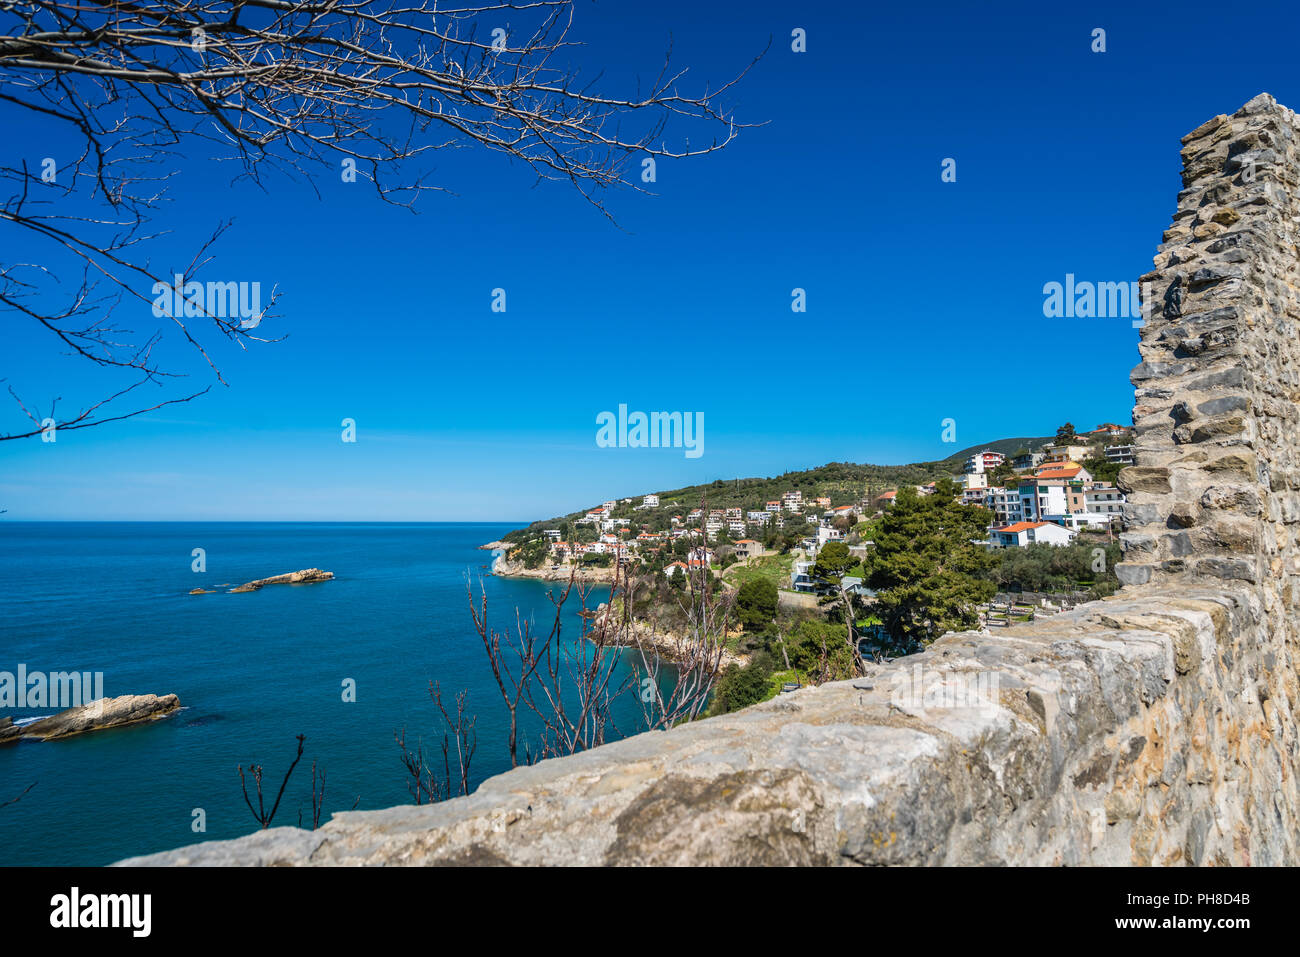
{"x": 1002, "y": 474}
{"x": 1065, "y": 434}
{"x": 928, "y": 572}
{"x": 1102, "y": 469}
{"x": 833, "y": 560}
{"x": 821, "y": 650}
{"x": 756, "y": 603}
{"x": 740, "y": 687}
{"x": 535, "y": 552}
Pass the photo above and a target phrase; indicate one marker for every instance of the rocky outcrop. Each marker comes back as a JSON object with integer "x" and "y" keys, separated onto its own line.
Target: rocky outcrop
{"x": 657, "y": 640}
{"x": 8, "y": 731}
{"x": 591, "y": 575}
{"x": 306, "y": 576}
{"x": 101, "y": 714}
{"x": 1158, "y": 726}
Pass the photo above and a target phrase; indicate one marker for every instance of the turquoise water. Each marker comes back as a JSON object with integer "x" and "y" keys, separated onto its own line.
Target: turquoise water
{"x": 252, "y": 671}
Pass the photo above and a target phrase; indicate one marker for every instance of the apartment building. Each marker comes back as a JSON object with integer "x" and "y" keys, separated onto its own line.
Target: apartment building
{"x": 984, "y": 461}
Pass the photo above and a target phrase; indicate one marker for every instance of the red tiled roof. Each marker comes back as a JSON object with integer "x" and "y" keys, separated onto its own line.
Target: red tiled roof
{"x": 1021, "y": 526}
{"x": 1065, "y": 473}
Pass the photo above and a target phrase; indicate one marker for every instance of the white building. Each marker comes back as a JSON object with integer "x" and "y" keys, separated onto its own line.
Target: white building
{"x": 1104, "y": 500}
{"x": 801, "y": 577}
{"x": 1067, "y": 452}
{"x": 1020, "y": 534}
{"x": 650, "y": 501}
{"x": 1081, "y": 520}
{"x": 827, "y": 534}
{"x": 1005, "y": 504}
{"x": 984, "y": 461}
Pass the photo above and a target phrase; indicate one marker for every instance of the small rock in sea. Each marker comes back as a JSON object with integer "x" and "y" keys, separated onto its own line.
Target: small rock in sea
{"x": 100, "y": 714}
{"x": 201, "y": 591}
{"x": 304, "y": 576}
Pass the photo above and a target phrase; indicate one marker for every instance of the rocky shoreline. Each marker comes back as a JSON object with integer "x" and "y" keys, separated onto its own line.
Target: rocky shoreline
{"x": 504, "y": 568}
{"x": 667, "y": 645}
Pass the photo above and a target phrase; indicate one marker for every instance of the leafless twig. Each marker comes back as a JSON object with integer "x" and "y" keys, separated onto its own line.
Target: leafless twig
{"x": 368, "y": 90}
{"x": 260, "y": 813}
{"x": 15, "y": 800}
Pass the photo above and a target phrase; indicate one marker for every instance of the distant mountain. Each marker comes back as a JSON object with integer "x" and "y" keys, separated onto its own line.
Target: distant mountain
{"x": 1005, "y": 446}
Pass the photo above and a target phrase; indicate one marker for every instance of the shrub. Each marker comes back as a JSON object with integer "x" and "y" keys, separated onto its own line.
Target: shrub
{"x": 740, "y": 687}
{"x": 756, "y": 602}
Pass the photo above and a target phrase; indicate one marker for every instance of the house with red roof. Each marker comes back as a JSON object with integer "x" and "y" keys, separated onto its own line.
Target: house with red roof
{"x": 1021, "y": 534}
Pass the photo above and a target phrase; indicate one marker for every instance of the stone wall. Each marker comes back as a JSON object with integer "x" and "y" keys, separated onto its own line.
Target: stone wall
{"x": 1155, "y": 727}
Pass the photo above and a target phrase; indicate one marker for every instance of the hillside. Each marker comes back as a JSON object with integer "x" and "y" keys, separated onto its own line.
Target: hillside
{"x": 842, "y": 482}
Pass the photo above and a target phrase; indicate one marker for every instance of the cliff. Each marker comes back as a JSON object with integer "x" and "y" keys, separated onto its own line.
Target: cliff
{"x": 593, "y": 575}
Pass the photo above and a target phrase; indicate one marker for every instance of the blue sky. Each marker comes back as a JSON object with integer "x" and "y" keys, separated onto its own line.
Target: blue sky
{"x": 924, "y": 297}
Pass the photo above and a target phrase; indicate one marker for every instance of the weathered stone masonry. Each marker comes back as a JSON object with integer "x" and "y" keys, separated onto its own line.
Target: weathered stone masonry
{"x": 1156, "y": 727}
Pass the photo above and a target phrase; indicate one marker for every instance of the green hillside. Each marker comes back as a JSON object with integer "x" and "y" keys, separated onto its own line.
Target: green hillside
{"x": 844, "y": 483}
{"x": 955, "y": 461}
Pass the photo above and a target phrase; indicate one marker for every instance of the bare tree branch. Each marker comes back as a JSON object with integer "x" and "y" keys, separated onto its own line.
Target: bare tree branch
{"x": 24, "y": 793}
{"x": 366, "y": 88}
{"x": 264, "y": 817}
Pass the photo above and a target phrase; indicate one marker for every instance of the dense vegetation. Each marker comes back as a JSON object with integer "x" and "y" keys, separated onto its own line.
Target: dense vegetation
{"x": 1084, "y": 566}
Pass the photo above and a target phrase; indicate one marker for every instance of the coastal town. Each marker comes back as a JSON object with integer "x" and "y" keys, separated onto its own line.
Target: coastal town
{"x": 1046, "y": 496}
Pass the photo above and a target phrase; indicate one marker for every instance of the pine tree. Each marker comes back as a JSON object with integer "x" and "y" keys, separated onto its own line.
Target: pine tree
{"x": 927, "y": 567}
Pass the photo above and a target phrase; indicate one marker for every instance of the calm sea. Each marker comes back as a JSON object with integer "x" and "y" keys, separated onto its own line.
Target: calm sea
{"x": 252, "y": 671}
